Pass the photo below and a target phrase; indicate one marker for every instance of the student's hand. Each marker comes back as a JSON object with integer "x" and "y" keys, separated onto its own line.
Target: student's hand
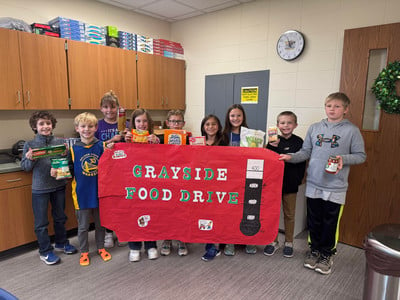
{"x": 29, "y": 154}
{"x": 285, "y": 157}
{"x": 53, "y": 172}
{"x": 110, "y": 145}
{"x": 274, "y": 144}
{"x": 128, "y": 137}
{"x": 152, "y": 139}
{"x": 340, "y": 163}
{"x": 115, "y": 139}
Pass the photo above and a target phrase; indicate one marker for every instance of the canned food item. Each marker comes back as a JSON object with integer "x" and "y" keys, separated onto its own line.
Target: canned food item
{"x": 121, "y": 119}
{"x": 332, "y": 164}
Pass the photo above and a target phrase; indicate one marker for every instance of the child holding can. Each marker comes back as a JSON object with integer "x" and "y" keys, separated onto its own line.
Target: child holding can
{"x": 325, "y": 191}
{"x": 287, "y": 142}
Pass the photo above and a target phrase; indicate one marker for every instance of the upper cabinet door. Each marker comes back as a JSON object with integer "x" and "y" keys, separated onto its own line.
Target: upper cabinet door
{"x": 95, "y": 70}
{"x": 44, "y": 71}
{"x": 161, "y": 82}
{"x": 149, "y": 81}
{"x": 174, "y": 83}
{"x": 10, "y": 75}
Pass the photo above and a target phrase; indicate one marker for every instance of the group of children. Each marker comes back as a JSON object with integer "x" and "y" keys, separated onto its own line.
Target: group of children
{"x": 325, "y": 192}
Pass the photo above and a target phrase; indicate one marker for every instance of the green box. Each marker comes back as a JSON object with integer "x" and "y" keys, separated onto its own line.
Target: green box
{"x": 112, "y": 31}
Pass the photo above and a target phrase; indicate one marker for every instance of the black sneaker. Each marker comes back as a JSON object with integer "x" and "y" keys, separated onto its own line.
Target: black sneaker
{"x": 288, "y": 249}
{"x": 270, "y": 249}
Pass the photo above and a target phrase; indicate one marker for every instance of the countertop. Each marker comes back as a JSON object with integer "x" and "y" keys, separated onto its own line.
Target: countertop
{"x": 10, "y": 167}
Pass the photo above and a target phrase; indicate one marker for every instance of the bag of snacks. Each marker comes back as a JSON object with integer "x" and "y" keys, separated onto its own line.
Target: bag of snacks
{"x": 61, "y": 164}
{"x": 175, "y": 137}
{"x": 272, "y": 134}
{"x": 139, "y": 136}
{"x": 251, "y": 138}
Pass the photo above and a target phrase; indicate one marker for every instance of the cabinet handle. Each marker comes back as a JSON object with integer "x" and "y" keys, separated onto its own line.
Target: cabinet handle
{"x": 28, "y": 94}
{"x": 14, "y": 180}
{"x": 19, "y": 96}
{"x": 166, "y": 101}
{"x": 162, "y": 101}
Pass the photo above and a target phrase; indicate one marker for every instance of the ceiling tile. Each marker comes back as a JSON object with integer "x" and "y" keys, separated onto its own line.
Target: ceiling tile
{"x": 168, "y": 8}
{"x": 203, "y": 4}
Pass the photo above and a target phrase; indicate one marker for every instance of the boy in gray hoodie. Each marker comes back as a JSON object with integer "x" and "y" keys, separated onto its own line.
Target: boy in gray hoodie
{"x": 326, "y": 192}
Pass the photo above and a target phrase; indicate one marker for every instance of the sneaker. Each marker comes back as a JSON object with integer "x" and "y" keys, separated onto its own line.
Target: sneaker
{"x": 109, "y": 240}
{"x": 104, "y": 254}
{"x": 270, "y": 249}
{"x": 251, "y": 249}
{"x": 134, "y": 255}
{"x": 182, "y": 249}
{"x": 211, "y": 254}
{"x": 229, "y": 249}
{"x": 50, "y": 258}
{"x": 84, "y": 259}
{"x": 324, "y": 265}
{"x": 311, "y": 259}
{"x": 166, "y": 247}
{"x": 152, "y": 253}
{"x": 288, "y": 249}
{"x": 67, "y": 248}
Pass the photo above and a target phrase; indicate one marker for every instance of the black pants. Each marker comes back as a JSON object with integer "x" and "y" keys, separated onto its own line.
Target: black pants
{"x": 323, "y": 225}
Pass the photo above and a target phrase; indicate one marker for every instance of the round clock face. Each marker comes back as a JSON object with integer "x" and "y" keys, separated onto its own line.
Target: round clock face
{"x": 290, "y": 45}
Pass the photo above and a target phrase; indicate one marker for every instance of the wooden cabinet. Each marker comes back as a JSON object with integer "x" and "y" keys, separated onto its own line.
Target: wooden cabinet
{"x": 95, "y": 69}
{"x": 33, "y": 71}
{"x": 16, "y": 216}
{"x": 161, "y": 82}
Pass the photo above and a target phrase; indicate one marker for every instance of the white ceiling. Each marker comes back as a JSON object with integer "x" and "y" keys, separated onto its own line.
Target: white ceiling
{"x": 174, "y": 10}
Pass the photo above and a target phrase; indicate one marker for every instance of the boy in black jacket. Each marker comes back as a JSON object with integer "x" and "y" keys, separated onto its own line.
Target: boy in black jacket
{"x": 292, "y": 178}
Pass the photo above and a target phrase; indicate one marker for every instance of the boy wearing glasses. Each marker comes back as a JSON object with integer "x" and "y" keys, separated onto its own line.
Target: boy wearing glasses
{"x": 175, "y": 120}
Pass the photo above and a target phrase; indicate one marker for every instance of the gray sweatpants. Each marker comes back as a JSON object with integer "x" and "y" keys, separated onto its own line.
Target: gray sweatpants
{"x": 83, "y": 216}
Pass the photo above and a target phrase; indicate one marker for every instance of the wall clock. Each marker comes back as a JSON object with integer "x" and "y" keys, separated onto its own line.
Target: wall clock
{"x": 290, "y": 45}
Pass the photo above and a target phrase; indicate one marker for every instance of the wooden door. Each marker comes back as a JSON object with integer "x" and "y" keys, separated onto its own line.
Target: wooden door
{"x": 149, "y": 81}
{"x": 10, "y": 75}
{"x": 95, "y": 70}
{"x": 44, "y": 71}
{"x": 173, "y": 71}
{"x": 374, "y": 189}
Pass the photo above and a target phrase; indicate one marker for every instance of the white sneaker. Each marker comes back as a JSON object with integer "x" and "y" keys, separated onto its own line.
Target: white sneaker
{"x": 134, "y": 255}
{"x": 166, "y": 247}
{"x": 182, "y": 249}
{"x": 109, "y": 240}
{"x": 152, "y": 253}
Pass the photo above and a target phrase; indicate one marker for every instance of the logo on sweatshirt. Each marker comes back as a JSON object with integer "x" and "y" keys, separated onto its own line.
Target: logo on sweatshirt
{"x": 321, "y": 139}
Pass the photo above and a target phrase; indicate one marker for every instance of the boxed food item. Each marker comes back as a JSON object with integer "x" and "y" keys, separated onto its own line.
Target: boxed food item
{"x": 175, "y": 137}
{"x": 272, "y": 134}
{"x": 49, "y": 151}
{"x": 197, "y": 140}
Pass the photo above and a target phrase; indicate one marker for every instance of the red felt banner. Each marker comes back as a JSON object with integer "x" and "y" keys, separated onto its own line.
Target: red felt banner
{"x": 195, "y": 194}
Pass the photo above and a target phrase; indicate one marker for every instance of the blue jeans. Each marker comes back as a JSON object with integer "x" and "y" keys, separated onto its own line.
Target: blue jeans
{"x": 40, "y": 203}
{"x": 138, "y": 245}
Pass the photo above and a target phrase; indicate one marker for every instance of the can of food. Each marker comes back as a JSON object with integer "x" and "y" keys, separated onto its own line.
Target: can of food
{"x": 332, "y": 164}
